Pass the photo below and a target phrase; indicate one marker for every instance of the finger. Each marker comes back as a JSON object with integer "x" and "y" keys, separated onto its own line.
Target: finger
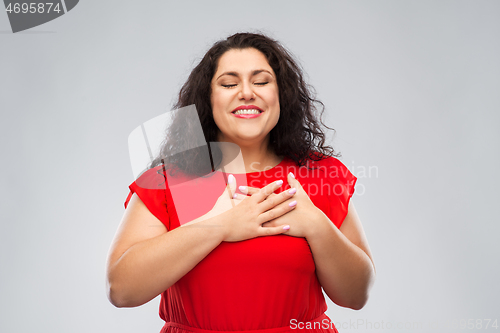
{"x": 272, "y": 195}
{"x": 276, "y": 199}
{"x": 271, "y": 223}
{"x": 248, "y": 190}
{"x": 269, "y": 231}
{"x": 231, "y": 187}
{"x": 238, "y": 196}
{"x": 264, "y": 192}
{"x": 292, "y": 181}
{"x": 277, "y": 211}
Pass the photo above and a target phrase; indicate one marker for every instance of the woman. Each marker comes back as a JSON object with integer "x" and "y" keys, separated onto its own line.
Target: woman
{"x": 257, "y": 260}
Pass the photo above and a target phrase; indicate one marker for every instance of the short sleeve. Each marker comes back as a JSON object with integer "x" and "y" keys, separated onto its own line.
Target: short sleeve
{"x": 150, "y": 188}
{"x": 343, "y": 182}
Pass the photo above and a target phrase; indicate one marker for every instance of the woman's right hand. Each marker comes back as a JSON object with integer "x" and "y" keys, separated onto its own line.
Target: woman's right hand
{"x": 242, "y": 216}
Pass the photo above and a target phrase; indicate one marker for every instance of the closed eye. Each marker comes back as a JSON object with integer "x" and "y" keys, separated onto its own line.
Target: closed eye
{"x": 261, "y": 83}
{"x": 228, "y": 85}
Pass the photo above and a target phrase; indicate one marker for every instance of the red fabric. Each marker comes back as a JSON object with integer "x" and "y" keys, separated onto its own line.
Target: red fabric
{"x": 265, "y": 283}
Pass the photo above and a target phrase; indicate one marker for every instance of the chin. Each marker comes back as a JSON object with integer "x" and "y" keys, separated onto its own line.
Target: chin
{"x": 251, "y": 139}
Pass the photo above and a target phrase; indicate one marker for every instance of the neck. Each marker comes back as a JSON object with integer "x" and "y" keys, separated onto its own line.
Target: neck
{"x": 251, "y": 158}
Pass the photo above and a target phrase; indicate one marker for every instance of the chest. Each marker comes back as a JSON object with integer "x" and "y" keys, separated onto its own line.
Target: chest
{"x": 278, "y": 257}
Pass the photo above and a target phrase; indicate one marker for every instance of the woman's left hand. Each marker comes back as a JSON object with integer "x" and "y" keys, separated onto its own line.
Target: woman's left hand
{"x": 304, "y": 219}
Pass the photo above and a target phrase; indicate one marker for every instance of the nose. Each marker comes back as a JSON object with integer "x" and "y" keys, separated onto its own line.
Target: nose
{"x": 246, "y": 93}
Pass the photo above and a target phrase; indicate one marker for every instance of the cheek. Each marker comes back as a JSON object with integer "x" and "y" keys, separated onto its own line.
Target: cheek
{"x": 215, "y": 102}
{"x": 274, "y": 97}
{"x": 275, "y": 102}
{"x": 219, "y": 99}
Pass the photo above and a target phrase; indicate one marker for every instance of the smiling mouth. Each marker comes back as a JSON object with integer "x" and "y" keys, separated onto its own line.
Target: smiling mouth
{"x": 247, "y": 109}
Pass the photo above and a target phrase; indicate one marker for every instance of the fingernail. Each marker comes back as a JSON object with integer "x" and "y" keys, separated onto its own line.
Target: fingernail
{"x": 293, "y": 203}
{"x": 235, "y": 196}
{"x": 242, "y": 188}
{"x": 230, "y": 179}
{"x": 291, "y": 174}
{"x": 286, "y": 227}
{"x": 279, "y": 182}
{"x": 292, "y": 190}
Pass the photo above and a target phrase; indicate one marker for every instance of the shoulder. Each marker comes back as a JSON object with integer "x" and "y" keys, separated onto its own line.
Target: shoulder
{"x": 160, "y": 178}
{"x": 328, "y": 161}
{"x": 154, "y": 178}
{"x": 151, "y": 188}
{"x": 329, "y": 166}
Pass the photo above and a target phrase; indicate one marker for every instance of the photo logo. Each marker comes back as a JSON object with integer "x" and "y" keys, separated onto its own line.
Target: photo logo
{"x": 26, "y": 15}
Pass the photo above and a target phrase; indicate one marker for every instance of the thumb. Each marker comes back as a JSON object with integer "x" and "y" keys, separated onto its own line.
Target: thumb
{"x": 292, "y": 181}
{"x": 231, "y": 185}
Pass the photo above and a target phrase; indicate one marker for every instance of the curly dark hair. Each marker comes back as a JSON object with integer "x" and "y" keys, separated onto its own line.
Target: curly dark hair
{"x": 298, "y": 133}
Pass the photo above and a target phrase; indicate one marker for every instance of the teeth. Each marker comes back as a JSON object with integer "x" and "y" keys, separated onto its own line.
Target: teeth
{"x": 247, "y": 111}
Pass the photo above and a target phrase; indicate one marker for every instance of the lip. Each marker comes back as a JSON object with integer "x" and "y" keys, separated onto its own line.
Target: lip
{"x": 246, "y": 107}
{"x": 247, "y": 116}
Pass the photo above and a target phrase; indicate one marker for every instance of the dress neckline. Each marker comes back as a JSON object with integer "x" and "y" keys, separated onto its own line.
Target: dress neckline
{"x": 283, "y": 161}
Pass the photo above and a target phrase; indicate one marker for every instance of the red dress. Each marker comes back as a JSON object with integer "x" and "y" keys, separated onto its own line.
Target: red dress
{"x": 264, "y": 284}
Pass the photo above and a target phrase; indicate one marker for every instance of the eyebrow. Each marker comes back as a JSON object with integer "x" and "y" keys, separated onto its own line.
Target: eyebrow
{"x": 255, "y": 72}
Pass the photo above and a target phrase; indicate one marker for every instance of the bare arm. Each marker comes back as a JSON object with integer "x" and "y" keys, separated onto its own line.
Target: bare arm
{"x": 343, "y": 260}
{"x": 144, "y": 259}
{"x": 344, "y": 264}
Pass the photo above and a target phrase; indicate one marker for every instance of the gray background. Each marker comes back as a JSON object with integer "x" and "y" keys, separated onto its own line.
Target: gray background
{"x": 412, "y": 88}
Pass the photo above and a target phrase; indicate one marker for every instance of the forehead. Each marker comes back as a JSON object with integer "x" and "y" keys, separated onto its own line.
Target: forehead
{"x": 242, "y": 61}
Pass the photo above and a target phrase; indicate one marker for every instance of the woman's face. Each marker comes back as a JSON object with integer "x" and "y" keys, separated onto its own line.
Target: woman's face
{"x": 245, "y": 99}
